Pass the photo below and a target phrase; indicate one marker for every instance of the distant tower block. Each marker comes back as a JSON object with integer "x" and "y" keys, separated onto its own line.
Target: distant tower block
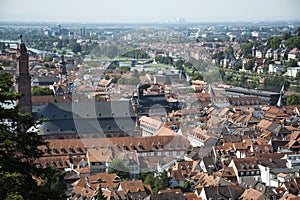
{"x": 23, "y": 79}
{"x": 63, "y": 70}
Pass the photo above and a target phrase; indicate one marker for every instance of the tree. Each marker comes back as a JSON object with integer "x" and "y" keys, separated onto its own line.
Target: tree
{"x": 59, "y": 44}
{"x": 54, "y": 179}
{"x": 275, "y": 42}
{"x": 292, "y": 63}
{"x": 161, "y": 182}
{"x": 19, "y": 149}
{"x": 197, "y": 76}
{"x": 276, "y": 81}
{"x": 137, "y": 54}
{"x": 38, "y": 91}
{"x": 117, "y": 166}
{"x": 168, "y": 81}
{"x": 229, "y": 51}
{"x": 222, "y": 72}
{"x": 74, "y": 46}
{"x": 100, "y": 195}
{"x": 49, "y": 58}
{"x": 186, "y": 187}
{"x": 149, "y": 180}
{"x": 249, "y": 65}
{"x": 298, "y": 76}
{"x": 247, "y": 50}
{"x": 293, "y": 100}
{"x": 165, "y": 179}
{"x": 286, "y": 35}
{"x": 179, "y": 63}
{"x": 293, "y": 42}
{"x": 297, "y": 31}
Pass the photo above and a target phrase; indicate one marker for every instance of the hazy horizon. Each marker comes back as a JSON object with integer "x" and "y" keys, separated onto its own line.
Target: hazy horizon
{"x": 134, "y": 11}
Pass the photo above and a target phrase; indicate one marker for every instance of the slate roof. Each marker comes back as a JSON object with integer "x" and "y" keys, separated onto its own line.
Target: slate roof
{"x": 223, "y": 192}
{"x": 87, "y": 117}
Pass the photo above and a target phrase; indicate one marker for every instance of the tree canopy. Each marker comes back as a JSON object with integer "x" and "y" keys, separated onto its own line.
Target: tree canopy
{"x": 38, "y": 91}
{"x": 293, "y": 100}
{"x": 19, "y": 149}
{"x": 117, "y": 166}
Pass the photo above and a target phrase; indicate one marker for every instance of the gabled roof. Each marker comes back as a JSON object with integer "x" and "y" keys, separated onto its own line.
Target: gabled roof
{"x": 245, "y": 164}
{"x": 150, "y": 122}
{"x": 264, "y": 124}
{"x": 251, "y": 194}
{"x": 132, "y": 186}
{"x": 273, "y": 163}
{"x": 99, "y": 155}
{"x": 165, "y": 131}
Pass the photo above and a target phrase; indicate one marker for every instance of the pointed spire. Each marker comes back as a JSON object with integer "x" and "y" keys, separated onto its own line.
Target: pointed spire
{"x": 22, "y": 50}
{"x": 279, "y": 102}
{"x": 211, "y": 92}
{"x": 297, "y": 111}
{"x": 282, "y": 90}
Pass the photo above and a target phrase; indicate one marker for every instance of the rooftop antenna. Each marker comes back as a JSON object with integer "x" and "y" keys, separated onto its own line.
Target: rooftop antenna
{"x": 21, "y": 37}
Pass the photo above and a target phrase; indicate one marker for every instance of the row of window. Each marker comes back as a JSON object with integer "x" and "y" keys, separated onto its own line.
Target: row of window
{"x": 162, "y": 153}
{"x": 250, "y": 173}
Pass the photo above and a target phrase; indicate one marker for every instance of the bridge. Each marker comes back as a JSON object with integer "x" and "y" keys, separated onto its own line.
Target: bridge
{"x": 118, "y": 61}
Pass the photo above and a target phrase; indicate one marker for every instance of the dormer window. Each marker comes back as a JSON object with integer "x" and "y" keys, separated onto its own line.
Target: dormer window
{"x": 55, "y": 151}
{"x": 39, "y": 165}
{"x": 141, "y": 146}
{"x": 47, "y": 151}
{"x": 154, "y": 145}
{"x": 99, "y": 180}
{"x": 71, "y": 149}
{"x": 132, "y": 146}
{"x": 125, "y": 147}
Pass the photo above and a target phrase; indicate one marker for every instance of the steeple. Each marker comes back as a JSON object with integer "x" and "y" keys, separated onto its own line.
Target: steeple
{"x": 62, "y": 69}
{"x": 23, "y": 79}
{"x": 279, "y": 102}
{"x": 211, "y": 92}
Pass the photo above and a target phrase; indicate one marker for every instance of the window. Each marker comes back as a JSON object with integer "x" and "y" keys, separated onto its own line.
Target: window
{"x": 132, "y": 184}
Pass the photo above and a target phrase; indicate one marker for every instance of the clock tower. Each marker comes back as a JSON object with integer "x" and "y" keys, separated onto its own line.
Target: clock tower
{"x": 23, "y": 79}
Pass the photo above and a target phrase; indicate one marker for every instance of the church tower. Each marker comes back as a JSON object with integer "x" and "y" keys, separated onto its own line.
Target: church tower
{"x": 63, "y": 70}
{"x": 23, "y": 79}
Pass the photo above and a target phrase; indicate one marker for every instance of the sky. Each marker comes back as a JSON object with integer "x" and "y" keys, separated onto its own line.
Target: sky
{"x": 85, "y": 11}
